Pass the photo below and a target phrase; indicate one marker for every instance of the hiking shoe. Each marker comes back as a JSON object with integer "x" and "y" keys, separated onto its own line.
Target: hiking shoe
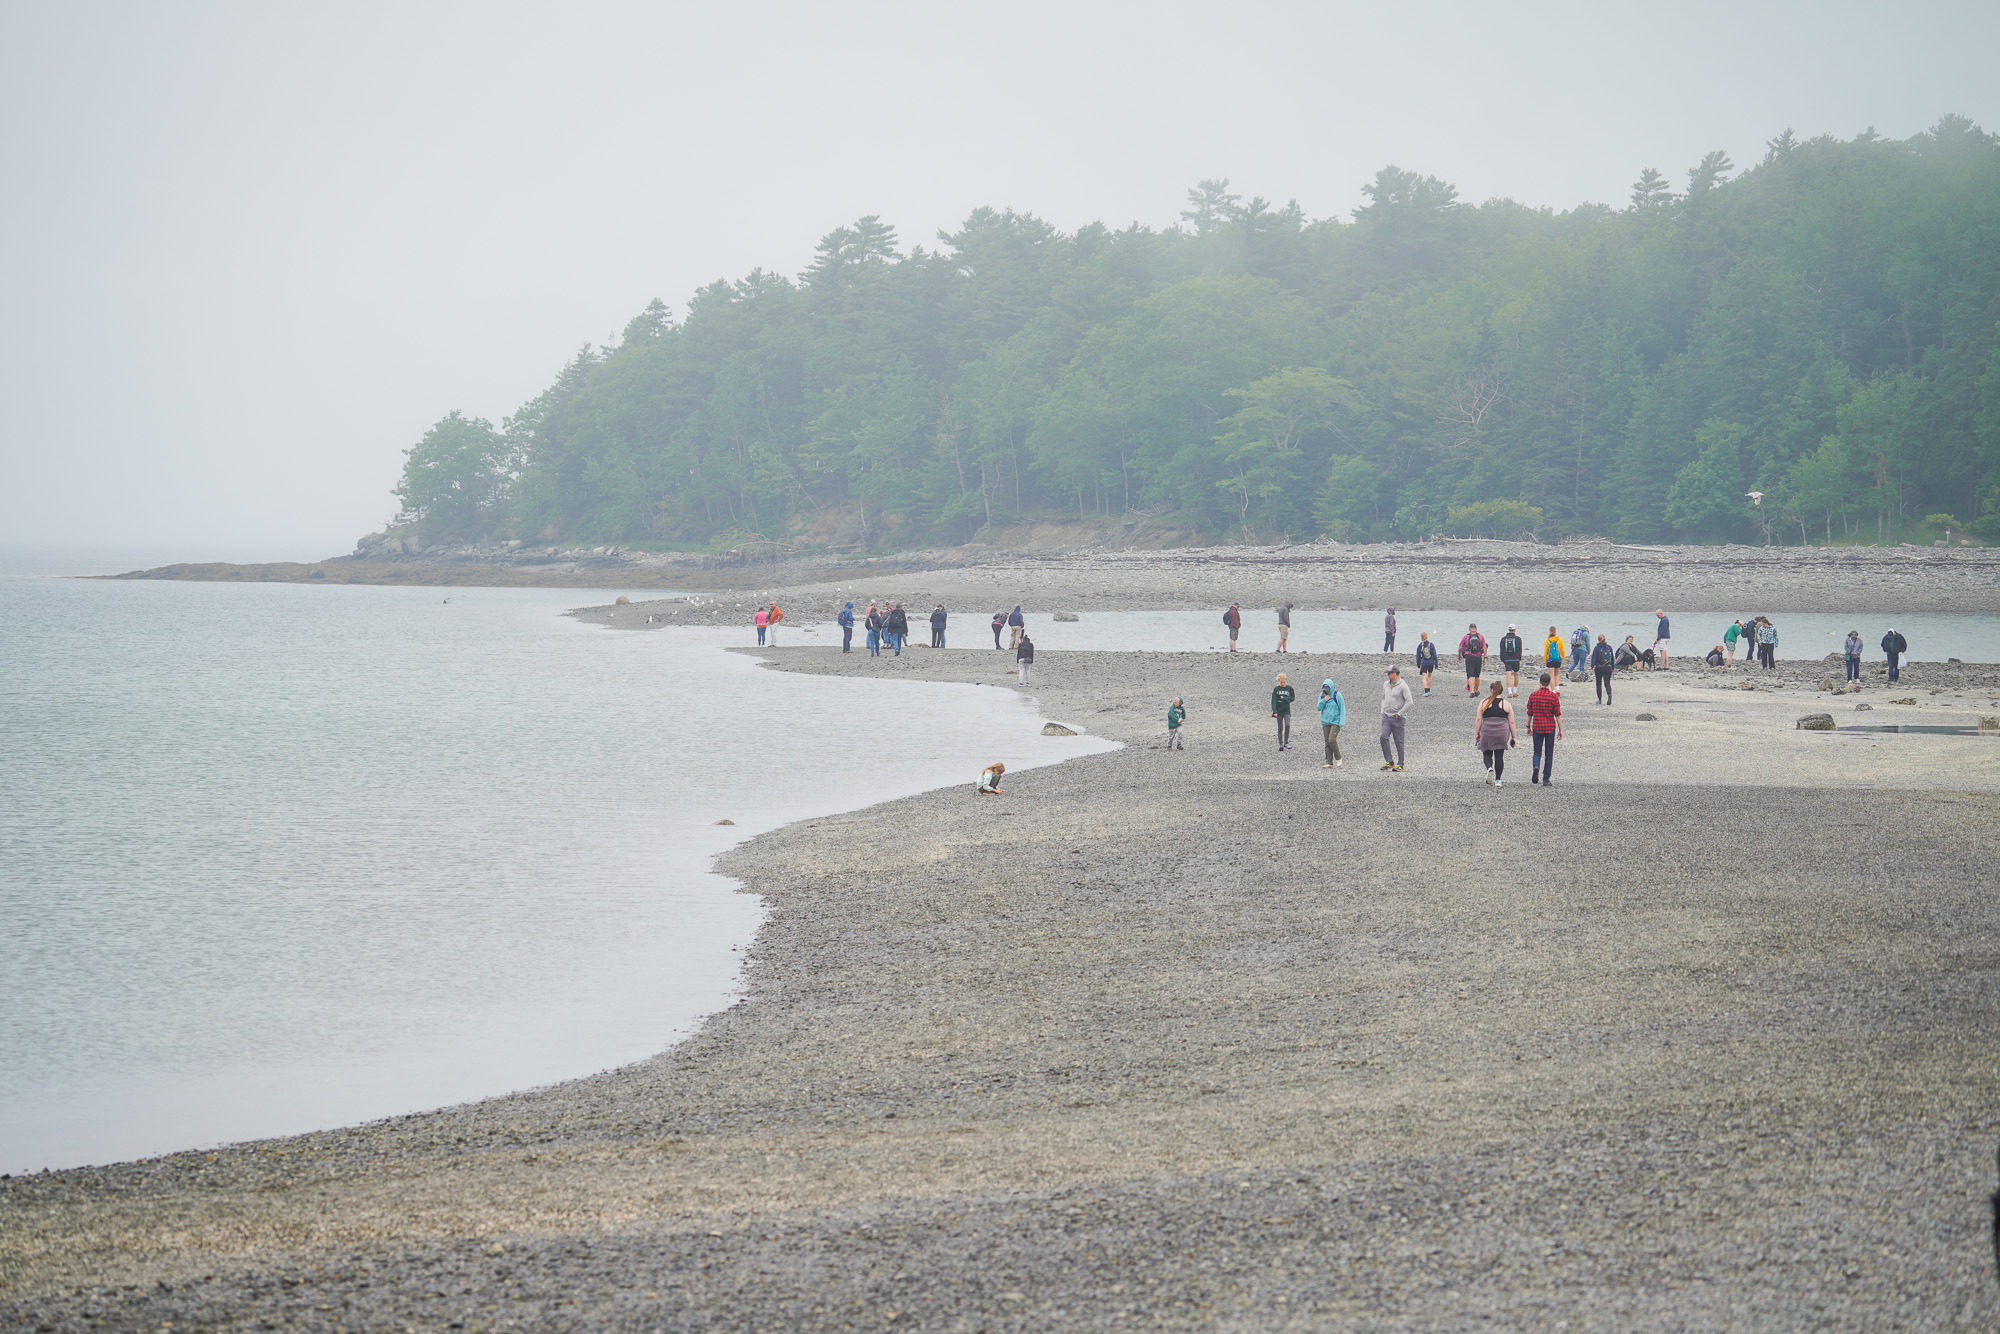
{"x": 1340, "y": 764}
{"x": 1399, "y": 768}
{"x": 1498, "y": 783}
{"x": 1489, "y": 778}
{"x": 1386, "y": 766}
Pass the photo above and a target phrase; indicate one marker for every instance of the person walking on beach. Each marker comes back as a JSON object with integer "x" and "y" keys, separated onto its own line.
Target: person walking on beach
{"x": 1552, "y": 655}
{"x": 1284, "y": 626}
{"x": 1427, "y": 658}
{"x": 1600, "y": 664}
{"x": 874, "y": 622}
{"x": 1282, "y": 696}
{"x": 1472, "y": 650}
{"x": 1851, "y": 652}
{"x": 1017, "y": 626}
{"x": 763, "y": 620}
{"x": 1233, "y": 618}
{"x": 1511, "y": 652}
{"x": 1493, "y": 731}
{"x": 937, "y": 626}
{"x": 777, "y": 614}
{"x": 1895, "y": 646}
{"x": 1389, "y": 631}
{"x": 1176, "y": 715}
{"x": 999, "y": 624}
{"x": 1545, "y": 728}
{"x": 1660, "y": 634}
{"x": 1024, "y": 657}
{"x": 1579, "y": 647}
{"x": 846, "y": 622}
{"x": 1767, "y": 643}
{"x": 1332, "y": 714}
{"x": 989, "y": 780}
{"x": 1396, "y": 705}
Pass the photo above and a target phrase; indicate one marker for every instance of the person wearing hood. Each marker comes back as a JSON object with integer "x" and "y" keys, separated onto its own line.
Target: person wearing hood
{"x": 897, "y": 623}
{"x": 1389, "y": 631}
{"x": 1024, "y": 658}
{"x": 846, "y": 622}
{"x": 1284, "y": 626}
{"x": 1332, "y": 715}
{"x": 1512, "y": 650}
{"x": 1552, "y": 654}
{"x": 1017, "y": 625}
{"x": 1851, "y": 651}
{"x": 1176, "y": 715}
{"x": 1895, "y": 646}
{"x": 937, "y": 626}
{"x": 1282, "y": 696}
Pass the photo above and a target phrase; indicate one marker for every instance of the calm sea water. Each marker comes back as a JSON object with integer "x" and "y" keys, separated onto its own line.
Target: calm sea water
{"x": 276, "y": 857}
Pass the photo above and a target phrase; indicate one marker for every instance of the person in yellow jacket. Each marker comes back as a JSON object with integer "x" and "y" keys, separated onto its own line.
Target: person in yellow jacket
{"x": 1553, "y": 649}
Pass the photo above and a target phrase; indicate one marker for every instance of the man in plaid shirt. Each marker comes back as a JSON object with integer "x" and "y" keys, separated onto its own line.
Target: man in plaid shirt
{"x": 1545, "y": 724}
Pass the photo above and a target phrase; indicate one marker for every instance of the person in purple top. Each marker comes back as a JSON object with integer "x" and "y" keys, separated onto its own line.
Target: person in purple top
{"x": 1389, "y": 631}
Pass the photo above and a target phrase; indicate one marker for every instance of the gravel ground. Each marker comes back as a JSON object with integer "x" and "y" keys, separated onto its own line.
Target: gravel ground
{"x": 1217, "y": 1039}
{"x": 1413, "y": 577}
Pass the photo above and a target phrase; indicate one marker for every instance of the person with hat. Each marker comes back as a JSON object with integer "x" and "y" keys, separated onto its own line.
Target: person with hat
{"x": 1511, "y": 652}
{"x": 1396, "y": 705}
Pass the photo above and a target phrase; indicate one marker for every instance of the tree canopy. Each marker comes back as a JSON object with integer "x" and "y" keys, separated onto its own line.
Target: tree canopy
{"x": 1819, "y": 329}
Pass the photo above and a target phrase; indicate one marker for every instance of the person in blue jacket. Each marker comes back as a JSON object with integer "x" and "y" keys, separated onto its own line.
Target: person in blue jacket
{"x": 846, "y": 622}
{"x": 1332, "y": 713}
{"x": 1601, "y": 664}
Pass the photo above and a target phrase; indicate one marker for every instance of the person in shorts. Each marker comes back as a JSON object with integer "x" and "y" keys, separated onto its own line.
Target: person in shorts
{"x": 1660, "y": 639}
{"x": 1472, "y": 651}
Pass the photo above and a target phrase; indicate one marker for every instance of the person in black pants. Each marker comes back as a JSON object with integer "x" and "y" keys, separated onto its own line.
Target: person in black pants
{"x": 999, "y": 624}
{"x": 846, "y": 621}
{"x": 1600, "y": 662}
{"x": 937, "y": 626}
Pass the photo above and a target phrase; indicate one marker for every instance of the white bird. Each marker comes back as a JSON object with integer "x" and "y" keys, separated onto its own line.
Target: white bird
{"x": 1756, "y": 497}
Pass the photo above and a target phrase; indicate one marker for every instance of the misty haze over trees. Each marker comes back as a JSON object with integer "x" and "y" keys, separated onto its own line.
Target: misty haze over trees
{"x": 1820, "y": 328}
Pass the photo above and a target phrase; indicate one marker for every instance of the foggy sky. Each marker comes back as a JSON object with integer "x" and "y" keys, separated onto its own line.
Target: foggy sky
{"x": 249, "y": 253}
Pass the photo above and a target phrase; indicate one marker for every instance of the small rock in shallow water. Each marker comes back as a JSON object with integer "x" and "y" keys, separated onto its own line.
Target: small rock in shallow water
{"x": 1864, "y": 708}
{"x": 1056, "y": 729}
{"x": 1816, "y": 722}
{"x": 1065, "y": 616}
{"x": 725, "y": 822}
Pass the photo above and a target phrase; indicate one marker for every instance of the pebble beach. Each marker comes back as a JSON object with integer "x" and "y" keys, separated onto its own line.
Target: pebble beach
{"x": 1700, "y": 1037}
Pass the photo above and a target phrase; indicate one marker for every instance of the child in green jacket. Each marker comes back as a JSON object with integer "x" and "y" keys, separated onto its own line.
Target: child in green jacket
{"x": 1176, "y": 715}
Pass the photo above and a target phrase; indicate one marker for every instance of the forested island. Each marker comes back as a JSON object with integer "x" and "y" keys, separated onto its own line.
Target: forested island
{"x": 1803, "y": 351}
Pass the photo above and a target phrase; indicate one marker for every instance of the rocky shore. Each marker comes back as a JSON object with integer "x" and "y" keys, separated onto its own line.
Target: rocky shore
{"x": 1456, "y": 573}
{"x": 1701, "y": 1037}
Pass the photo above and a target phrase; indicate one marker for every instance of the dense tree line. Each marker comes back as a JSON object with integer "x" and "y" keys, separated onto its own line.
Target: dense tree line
{"x": 1819, "y": 330}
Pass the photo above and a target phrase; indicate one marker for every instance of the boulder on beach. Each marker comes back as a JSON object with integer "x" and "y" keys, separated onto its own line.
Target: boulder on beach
{"x": 1816, "y": 722}
{"x": 1056, "y": 729}
{"x": 622, "y": 601}
{"x": 1864, "y": 708}
{"x": 1065, "y": 616}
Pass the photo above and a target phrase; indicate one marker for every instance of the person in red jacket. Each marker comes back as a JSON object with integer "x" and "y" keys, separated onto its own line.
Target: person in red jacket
{"x": 1545, "y": 725}
{"x": 1233, "y": 618}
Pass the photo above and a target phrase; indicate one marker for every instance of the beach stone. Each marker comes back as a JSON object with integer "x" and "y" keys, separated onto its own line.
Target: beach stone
{"x": 1828, "y": 684}
{"x": 622, "y": 601}
{"x": 1989, "y": 723}
{"x": 1864, "y": 708}
{"x": 1909, "y": 700}
{"x": 1746, "y": 685}
{"x": 1066, "y": 616}
{"x": 1816, "y": 722}
{"x": 1644, "y": 718}
{"x": 725, "y": 822}
{"x": 1056, "y": 729}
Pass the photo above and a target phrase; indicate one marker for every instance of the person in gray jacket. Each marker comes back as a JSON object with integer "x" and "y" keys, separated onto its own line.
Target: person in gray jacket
{"x": 1396, "y": 704}
{"x": 1389, "y": 631}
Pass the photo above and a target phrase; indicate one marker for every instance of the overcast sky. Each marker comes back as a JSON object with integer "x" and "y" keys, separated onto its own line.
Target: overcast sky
{"x": 248, "y": 253}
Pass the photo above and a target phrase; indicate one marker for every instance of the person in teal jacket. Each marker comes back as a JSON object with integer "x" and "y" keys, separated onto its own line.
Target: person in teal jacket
{"x": 1176, "y": 715}
{"x": 1332, "y": 713}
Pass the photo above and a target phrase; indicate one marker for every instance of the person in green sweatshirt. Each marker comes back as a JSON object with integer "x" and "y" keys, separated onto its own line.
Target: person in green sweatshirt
{"x": 1176, "y": 715}
{"x": 1282, "y": 695}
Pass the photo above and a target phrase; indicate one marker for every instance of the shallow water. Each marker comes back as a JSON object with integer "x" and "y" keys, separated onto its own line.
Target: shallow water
{"x": 277, "y": 857}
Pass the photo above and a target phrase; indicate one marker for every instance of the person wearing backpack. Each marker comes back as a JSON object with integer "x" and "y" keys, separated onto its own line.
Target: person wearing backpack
{"x": 1427, "y": 658}
{"x": 1472, "y": 650}
{"x": 1511, "y": 652}
{"x": 1895, "y": 646}
{"x": 1579, "y": 647}
{"x": 1389, "y": 631}
{"x": 1284, "y": 627}
{"x": 1552, "y": 654}
{"x": 1233, "y": 618}
{"x": 1332, "y": 715}
{"x": 846, "y": 623}
{"x": 1601, "y": 663}
{"x": 874, "y": 622}
{"x": 1282, "y": 696}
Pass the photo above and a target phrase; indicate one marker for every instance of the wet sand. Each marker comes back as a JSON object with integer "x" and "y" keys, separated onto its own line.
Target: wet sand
{"x": 1699, "y": 1038}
